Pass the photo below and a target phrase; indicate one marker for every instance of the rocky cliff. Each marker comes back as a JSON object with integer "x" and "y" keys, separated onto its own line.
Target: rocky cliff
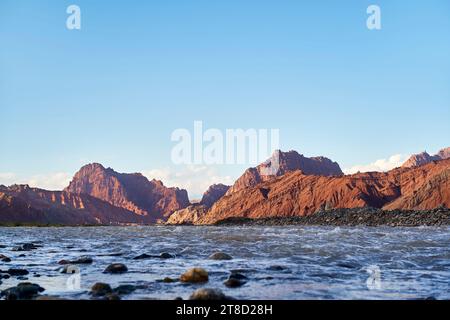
{"x": 281, "y": 163}
{"x": 20, "y": 204}
{"x": 214, "y": 193}
{"x": 189, "y": 215}
{"x": 195, "y": 212}
{"x": 133, "y": 192}
{"x": 299, "y": 194}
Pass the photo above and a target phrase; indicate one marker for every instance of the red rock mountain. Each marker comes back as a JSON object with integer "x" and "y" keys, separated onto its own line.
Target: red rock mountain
{"x": 214, "y": 193}
{"x": 189, "y": 215}
{"x": 423, "y": 158}
{"x": 283, "y": 162}
{"x": 298, "y": 194}
{"x": 195, "y": 212}
{"x": 22, "y": 204}
{"x": 133, "y": 192}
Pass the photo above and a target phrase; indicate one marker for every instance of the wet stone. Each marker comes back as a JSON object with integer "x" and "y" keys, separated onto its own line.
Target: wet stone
{"x": 208, "y": 294}
{"x": 17, "y": 272}
{"x": 142, "y": 257}
{"x": 101, "y": 289}
{"x": 4, "y": 258}
{"x": 276, "y": 268}
{"x": 234, "y": 283}
{"x": 163, "y": 255}
{"x": 26, "y": 247}
{"x": 80, "y": 260}
{"x": 23, "y": 291}
{"x": 166, "y": 255}
{"x": 168, "y": 280}
{"x": 238, "y": 276}
{"x": 220, "y": 256}
{"x": 195, "y": 275}
{"x": 116, "y": 268}
{"x": 112, "y": 297}
{"x": 70, "y": 269}
{"x": 125, "y": 289}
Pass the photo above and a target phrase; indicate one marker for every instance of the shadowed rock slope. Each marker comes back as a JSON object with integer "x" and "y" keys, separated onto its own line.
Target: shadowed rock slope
{"x": 20, "y": 204}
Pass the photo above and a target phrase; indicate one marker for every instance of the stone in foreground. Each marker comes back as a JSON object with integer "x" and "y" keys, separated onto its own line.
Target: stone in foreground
{"x": 23, "y": 291}
{"x": 116, "y": 268}
{"x": 209, "y": 294}
{"x": 195, "y": 275}
{"x": 220, "y": 256}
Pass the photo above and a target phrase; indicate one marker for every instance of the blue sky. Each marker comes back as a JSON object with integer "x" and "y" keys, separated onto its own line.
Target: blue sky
{"x": 114, "y": 91}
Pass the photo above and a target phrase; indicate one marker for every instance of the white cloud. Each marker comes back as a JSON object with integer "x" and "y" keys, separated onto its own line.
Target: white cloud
{"x": 380, "y": 165}
{"x": 195, "y": 179}
{"x": 52, "y": 181}
{"x": 7, "y": 178}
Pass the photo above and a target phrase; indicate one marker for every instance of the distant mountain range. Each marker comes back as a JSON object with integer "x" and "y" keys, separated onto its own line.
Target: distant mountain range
{"x": 423, "y": 158}
{"x": 287, "y": 184}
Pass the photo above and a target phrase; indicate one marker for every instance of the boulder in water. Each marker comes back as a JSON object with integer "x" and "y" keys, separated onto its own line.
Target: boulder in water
{"x": 195, "y": 275}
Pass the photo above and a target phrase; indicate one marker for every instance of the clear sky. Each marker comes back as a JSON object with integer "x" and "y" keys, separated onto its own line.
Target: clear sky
{"x": 114, "y": 91}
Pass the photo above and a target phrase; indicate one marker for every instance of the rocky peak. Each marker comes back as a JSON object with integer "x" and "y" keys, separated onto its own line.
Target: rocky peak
{"x": 133, "y": 192}
{"x": 214, "y": 193}
{"x": 423, "y": 158}
{"x": 281, "y": 163}
{"x": 444, "y": 153}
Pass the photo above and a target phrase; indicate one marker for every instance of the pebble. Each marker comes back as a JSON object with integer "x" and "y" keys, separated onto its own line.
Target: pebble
{"x": 220, "y": 256}
{"x": 238, "y": 276}
{"x": 80, "y": 260}
{"x": 168, "y": 280}
{"x": 26, "y": 247}
{"x": 142, "y": 256}
{"x": 101, "y": 289}
{"x": 112, "y": 297}
{"x": 208, "y": 294}
{"x": 4, "y": 258}
{"x": 70, "y": 269}
{"x": 23, "y": 291}
{"x": 164, "y": 255}
{"x": 116, "y": 268}
{"x": 195, "y": 275}
{"x": 124, "y": 289}
{"x": 17, "y": 272}
{"x": 234, "y": 283}
{"x": 276, "y": 268}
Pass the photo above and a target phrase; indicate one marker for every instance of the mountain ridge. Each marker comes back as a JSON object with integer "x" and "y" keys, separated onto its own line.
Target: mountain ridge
{"x": 130, "y": 191}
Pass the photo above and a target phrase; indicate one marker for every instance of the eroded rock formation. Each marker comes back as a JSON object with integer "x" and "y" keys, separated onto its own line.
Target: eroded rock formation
{"x": 132, "y": 192}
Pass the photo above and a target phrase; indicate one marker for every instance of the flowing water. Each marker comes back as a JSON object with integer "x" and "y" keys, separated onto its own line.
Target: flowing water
{"x": 280, "y": 262}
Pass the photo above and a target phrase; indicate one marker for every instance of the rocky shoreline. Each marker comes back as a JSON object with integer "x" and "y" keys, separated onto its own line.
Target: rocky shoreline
{"x": 352, "y": 217}
{"x": 26, "y": 290}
